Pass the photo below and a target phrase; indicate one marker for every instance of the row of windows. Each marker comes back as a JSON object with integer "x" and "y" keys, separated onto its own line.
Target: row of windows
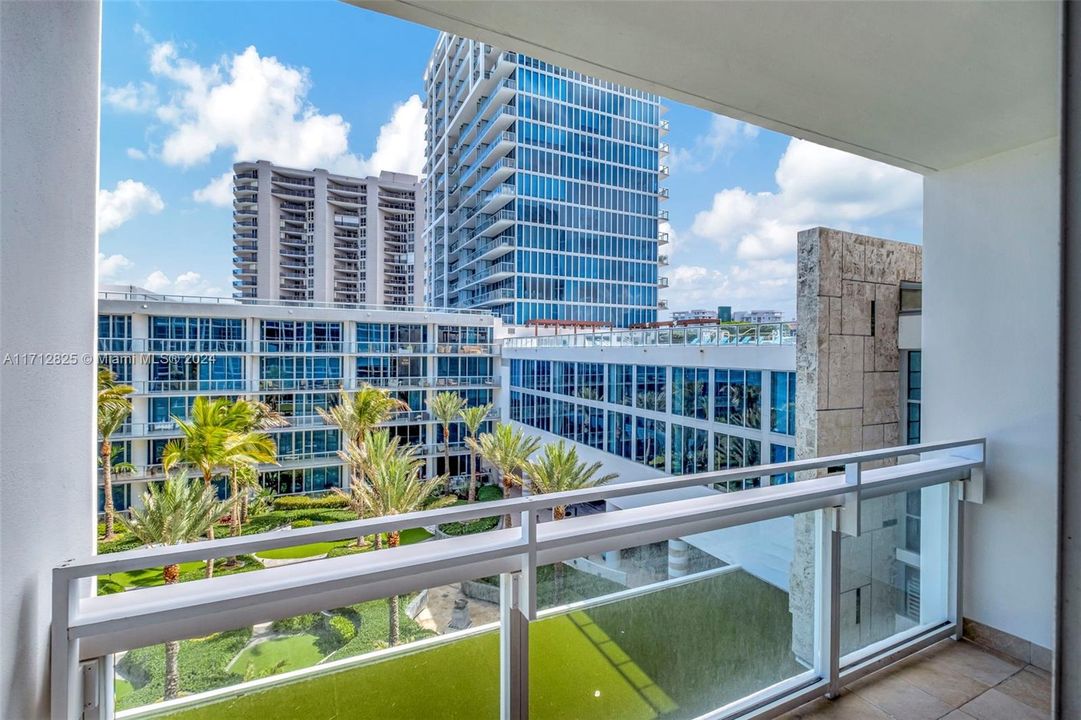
{"x": 586, "y": 80}
{"x": 576, "y": 266}
{"x": 545, "y": 187}
{"x": 303, "y": 444}
{"x": 302, "y": 480}
{"x": 581, "y": 243}
{"x": 549, "y": 133}
{"x": 737, "y": 394}
{"x": 300, "y": 336}
{"x": 594, "y": 292}
{"x": 189, "y": 328}
{"x": 587, "y": 96}
{"x": 644, "y": 440}
{"x": 616, "y": 317}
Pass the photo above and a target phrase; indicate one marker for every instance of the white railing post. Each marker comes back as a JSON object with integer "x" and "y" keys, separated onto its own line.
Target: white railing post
{"x": 517, "y": 607}
{"x": 956, "y": 606}
{"x": 828, "y": 599}
{"x": 850, "y": 514}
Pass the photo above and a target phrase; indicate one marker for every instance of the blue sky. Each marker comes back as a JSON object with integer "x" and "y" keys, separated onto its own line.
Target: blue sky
{"x": 188, "y": 88}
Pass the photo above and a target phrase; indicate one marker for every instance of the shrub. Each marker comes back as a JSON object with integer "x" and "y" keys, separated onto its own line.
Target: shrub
{"x": 302, "y": 523}
{"x": 299, "y": 623}
{"x": 470, "y": 527}
{"x": 305, "y": 502}
{"x": 341, "y": 630}
{"x": 345, "y": 550}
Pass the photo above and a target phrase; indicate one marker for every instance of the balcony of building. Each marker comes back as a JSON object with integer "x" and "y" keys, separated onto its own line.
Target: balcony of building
{"x": 966, "y": 94}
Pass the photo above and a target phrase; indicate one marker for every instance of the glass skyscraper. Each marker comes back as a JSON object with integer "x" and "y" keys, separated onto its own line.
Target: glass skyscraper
{"x": 543, "y": 189}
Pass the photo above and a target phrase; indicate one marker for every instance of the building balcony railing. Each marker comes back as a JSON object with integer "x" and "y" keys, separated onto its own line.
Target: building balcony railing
{"x": 142, "y": 297}
{"x": 662, "y": 282}
{"x": 783, "y": 333}
{"x": 757, "y": 631}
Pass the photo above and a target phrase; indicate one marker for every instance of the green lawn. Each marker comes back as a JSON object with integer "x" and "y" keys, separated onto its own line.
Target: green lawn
{"x": 408, "y": 537}
{"x": 674, "y": 653}
{"x": 150, "y": 577}
{"x": 278, "y": 655}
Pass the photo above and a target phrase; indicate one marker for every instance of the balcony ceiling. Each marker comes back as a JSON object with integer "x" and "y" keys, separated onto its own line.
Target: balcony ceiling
{"x": 921, "y": 85}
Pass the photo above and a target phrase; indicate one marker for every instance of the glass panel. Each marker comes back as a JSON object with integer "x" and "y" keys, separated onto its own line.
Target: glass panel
{"x": 437, "y": 668}
{"x": 894, "y": 576}
{"x": 676, "y": 628}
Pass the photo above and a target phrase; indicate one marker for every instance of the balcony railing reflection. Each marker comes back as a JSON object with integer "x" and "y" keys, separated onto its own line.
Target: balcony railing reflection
{"x": 740, "y": 334}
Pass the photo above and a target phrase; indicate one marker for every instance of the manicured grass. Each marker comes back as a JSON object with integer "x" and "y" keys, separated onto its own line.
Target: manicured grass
{"x": 302, "y": 551}
{"x": 121, "y": 689}
{"x": 408, "y": 537}
{"x": 278, "y": 655}
{"x": 485, "y": 493}
{"x": 673, "y": 653}
{"x": 150, "y": 577}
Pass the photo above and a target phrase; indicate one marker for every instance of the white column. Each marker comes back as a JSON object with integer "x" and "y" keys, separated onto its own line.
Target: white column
{"x": 678, "y": 558}
{"x": 49, "y": 70}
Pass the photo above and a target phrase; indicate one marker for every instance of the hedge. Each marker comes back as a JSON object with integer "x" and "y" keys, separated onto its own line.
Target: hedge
{"x": 306, "y": 502}
{"x": 341, "y": 630}
{"x": 298, "y": 623}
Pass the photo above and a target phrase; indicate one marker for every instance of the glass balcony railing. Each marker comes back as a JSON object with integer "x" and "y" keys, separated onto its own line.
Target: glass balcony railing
{"x": 680, "y": 601}
{"x": 783, "y": 333}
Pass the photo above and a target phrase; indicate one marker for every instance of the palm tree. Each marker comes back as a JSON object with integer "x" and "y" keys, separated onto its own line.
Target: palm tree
{"x": 175, "y": 511}
{"x": 474, "y": 417}
{"x": 356, "y": 415}
{"x": 213, "y": 443}
{"x": 393, "y": 486}
{"x": 558, "y": 469}
{"x": 251, "y": 416}
{"x": 363, "y": 460}
{"x": 507, "y": 450}
{"x": 445, "y": 407}
{"x": 114, "y": 407}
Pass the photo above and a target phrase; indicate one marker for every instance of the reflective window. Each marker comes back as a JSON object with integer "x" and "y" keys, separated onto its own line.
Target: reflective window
{"x": 690, "y": 392}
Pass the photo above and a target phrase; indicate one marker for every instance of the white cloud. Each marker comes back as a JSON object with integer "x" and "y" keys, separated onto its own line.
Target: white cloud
{"x": 135, "y": 153}
{"x": 765, "y": 284}
{"x": 256, "y": 108}
{"x": 723, "y": 136}
{"x": 139, "y": 98}
{"x": 218, "y": 192}
{"x": 816, "y": 186}
{"x": 125, "y": 201}
{"x": 186, "y": 283}
{"x": 109, "y": 266}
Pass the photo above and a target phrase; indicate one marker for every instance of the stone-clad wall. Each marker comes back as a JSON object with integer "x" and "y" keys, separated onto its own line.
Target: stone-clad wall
{"x": 847, "y": 391}
{"x": 848, "y": 399}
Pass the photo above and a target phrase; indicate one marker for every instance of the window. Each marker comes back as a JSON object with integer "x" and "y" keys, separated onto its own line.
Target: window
{"x": 783, "y": 403}
{"x": 690, "y": 450}
{"x": 621, "y": 384}
{"x": 780, "y": 454}
{"x": 913, "y": 396}
{"x": 649, "y": 442}
{"x": 690, "y": 392}
{"x": 590, "y": 385}
{"x": 651, "y": 388}
{"x": 620, "y": 431}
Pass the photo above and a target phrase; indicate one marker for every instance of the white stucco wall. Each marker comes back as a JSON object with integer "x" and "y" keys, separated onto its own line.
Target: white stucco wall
{"x": 49, "y": 145}
{"x": 990, "y": 365}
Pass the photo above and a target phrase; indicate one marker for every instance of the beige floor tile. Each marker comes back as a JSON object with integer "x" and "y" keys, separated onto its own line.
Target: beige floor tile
{"x": 975, "y": 662}
{"x": 899, "y": 698}
{"x": 995, "y": 705}
{"x": 1031, "y": 686}
{"x": 847, "y": 707}
{"x": 946, "y": 683}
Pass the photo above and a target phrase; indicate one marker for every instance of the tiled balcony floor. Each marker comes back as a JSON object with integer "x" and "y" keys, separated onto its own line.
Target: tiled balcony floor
{"x": 950, "y": 680}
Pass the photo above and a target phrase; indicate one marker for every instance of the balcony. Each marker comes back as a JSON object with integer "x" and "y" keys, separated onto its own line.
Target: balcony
{"x": 609, "y": 594}
{"x": 662, "y": 282}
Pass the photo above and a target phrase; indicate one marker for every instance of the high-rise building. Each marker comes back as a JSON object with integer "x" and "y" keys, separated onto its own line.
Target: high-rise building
{"x": 312, "y": 235}
{"x": 543, "y": 187}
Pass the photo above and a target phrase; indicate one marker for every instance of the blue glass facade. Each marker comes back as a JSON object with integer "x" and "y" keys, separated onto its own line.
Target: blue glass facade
{"x": 680, "y": 419}
{"x": 544, "y": 198}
